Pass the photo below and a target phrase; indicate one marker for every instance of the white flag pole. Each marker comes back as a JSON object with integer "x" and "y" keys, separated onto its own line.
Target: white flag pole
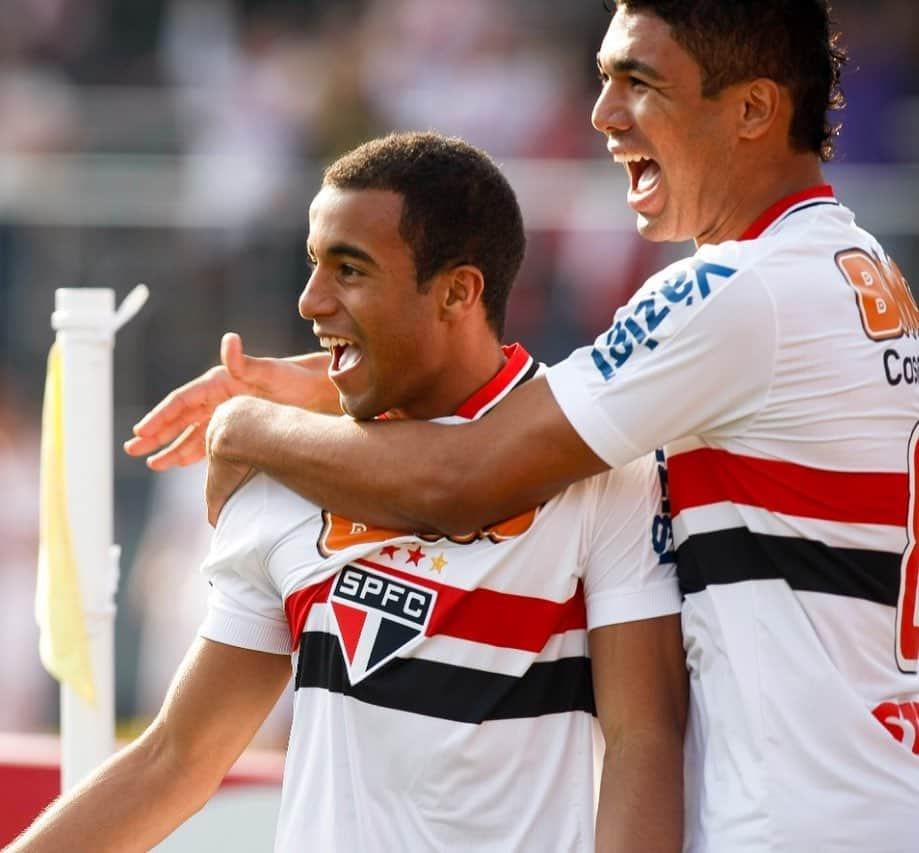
{"x": 85, "y": 321}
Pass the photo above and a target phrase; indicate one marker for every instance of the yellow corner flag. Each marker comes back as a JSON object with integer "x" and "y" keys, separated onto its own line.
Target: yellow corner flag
{"x": 64, "y": 644}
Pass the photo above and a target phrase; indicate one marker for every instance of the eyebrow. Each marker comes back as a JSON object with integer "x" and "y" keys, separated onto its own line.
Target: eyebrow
{"x": 626, "y": 66}
{"x": 345, "y": 250}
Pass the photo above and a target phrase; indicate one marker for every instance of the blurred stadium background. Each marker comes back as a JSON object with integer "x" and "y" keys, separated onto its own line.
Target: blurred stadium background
{"x": 179, "y": 142}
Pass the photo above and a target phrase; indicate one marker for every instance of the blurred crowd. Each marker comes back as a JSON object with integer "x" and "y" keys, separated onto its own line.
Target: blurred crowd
{"x": 178, "y": 142}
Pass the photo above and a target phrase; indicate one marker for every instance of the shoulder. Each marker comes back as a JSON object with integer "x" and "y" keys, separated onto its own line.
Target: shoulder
{"x": 715, "y": 294}
{"x": 262, "y": 512}
{"x": 621, "y": 496}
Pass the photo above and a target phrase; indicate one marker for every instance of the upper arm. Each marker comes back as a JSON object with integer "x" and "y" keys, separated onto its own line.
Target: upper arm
{"x": 672, "y": 367}
{"x": 640, "y": 684}
{"x": 640, "y": 678}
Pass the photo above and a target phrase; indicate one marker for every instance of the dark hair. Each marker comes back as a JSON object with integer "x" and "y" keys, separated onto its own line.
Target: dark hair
{"x": 788, "y": 41}
{"x": 457, "y": 207}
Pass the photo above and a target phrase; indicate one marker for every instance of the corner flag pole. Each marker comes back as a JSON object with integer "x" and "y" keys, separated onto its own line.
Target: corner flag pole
{"x": 86, "y": 322}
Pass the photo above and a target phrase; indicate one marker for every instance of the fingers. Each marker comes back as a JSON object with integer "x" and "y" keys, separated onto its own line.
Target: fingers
{"x": 185, "y": 405}
{"x": 261, "y": 377}
{"x": 170, "y": 422}
{"x": 231, "y": 355}
{"x": 179, "y": 420}
{"x": 187, "y": 449}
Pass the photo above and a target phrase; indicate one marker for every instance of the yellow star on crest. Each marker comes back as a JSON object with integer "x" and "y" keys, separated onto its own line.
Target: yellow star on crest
{"x": 438, "y": 563}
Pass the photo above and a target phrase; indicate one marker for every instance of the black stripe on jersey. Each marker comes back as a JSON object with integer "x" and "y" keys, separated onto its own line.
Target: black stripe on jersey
{"x": 446, "y": 691}
{"x": 820, "y": 203}
{"x": 737, "y": 554}
{"x": 531, "y": 371}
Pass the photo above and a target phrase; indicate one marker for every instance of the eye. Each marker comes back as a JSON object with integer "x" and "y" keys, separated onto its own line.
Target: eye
{"x": 349, "y": 273}
{"x": 638, "y": 84}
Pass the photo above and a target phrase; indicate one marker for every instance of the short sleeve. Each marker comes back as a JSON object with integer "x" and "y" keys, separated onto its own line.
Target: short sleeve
{"x": 245, "y": 609}
{"x": 631, "y": 567}
{"x": 692, "y": 353}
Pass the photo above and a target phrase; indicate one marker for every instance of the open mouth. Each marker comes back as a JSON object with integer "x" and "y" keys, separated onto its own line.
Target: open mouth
{"x": 644, "y": 176}
{"x": 345, "y": 354}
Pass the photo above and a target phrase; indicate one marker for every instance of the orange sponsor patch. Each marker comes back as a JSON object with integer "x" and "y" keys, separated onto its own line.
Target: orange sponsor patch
{"x": 339, "y": 533}
{"x": 882, "y": 294}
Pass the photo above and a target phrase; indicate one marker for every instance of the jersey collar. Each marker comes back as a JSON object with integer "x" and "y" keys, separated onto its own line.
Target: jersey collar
{"x": 788, "y": 206}
{"x": 517, "y": 369}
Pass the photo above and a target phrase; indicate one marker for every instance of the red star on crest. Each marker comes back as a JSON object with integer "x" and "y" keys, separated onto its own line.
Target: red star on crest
{"x": 415, "y": 556}
{"x": 389, "y": 551}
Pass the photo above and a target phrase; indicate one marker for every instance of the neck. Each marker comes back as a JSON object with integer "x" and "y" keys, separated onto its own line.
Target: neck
{"x": 469, "y": 368}
{"x": 765, "y": 183}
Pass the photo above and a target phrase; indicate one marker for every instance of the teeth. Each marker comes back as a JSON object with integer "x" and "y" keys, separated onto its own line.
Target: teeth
{"x": 629, "y": 158}
{"x": 329, "y": 342}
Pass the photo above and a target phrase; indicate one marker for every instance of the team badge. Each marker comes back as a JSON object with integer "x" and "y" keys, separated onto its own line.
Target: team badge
{"x": 377, "y": 616}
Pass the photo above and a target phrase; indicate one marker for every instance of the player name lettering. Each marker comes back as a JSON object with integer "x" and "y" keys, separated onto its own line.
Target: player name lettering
{"x": 382, "y": 593}
{"x": 901, "y": 369}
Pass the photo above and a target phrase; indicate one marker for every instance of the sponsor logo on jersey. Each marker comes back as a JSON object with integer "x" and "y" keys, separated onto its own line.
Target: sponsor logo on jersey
{"x": 636, "y": 323}
{"x": 339, "y": 533}
{"x": 662, "y": 527}
{"x": 882, "y": 294}
{"x": 902, "y": 721}
{"x": 377, "y": 616}
{"x": 886, "y": 308}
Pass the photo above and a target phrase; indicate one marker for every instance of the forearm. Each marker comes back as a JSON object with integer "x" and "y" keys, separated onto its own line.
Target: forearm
{"x": 331, "y": 461}
{"x": 408, "y": 474}
{"x": 641, "y": 795}
{"x": 130, "y": 803}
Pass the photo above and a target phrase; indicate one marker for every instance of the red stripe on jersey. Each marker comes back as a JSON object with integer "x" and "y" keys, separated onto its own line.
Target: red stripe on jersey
{"x": 517, "y": 360}
{"x": 707, "y": 476}
{"x": 297, "y": 606}
{"x": 774, "y": 212}
{"x": 497, "y": 618}
{"x": 481, "y": 615}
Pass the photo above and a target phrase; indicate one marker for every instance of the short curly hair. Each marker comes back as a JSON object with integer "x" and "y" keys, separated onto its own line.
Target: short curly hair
{"x": 458, "y": 208}
{"x": 789, "y": 41}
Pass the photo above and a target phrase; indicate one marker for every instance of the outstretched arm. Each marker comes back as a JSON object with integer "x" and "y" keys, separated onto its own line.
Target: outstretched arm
{"x": 174, "y": 430}
{"x": 218, "y": 699}
{"x": 405, "y": 474}
{"x": 641, "y": 688}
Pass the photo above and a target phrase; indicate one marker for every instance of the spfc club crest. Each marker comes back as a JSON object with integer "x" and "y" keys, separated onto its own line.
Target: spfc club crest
{"x": 377, "y": 616}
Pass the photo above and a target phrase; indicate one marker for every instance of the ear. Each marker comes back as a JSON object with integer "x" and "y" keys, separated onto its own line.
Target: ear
{"x": 762, "y": 101}
{"x": 461, "y": 291}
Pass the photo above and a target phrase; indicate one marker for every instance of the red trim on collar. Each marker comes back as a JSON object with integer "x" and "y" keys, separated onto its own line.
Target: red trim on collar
{"x": 780, "y": 207}
{"x": 517, "y": 361}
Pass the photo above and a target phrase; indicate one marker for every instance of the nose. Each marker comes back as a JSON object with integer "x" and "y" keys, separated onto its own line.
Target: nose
{"x": 317, "y": 299}
{"x": 611, "y": 113}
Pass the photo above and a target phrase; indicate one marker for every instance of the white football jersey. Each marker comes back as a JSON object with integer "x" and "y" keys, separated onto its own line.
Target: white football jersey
{"x": 782, "y": 372}
{"x": 443, "y": 689}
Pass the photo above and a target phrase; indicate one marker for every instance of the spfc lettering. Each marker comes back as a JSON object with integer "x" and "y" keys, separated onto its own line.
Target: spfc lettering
{"x": 377, "y": 616}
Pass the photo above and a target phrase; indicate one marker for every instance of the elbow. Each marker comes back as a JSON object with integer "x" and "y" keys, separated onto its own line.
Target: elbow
{"x": 186, "y": 767}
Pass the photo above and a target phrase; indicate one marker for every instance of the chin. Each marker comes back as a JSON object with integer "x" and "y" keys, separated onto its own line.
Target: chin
{"x": 360, "y": 410}
{"x": 659, "y": 230}
{"x": 652, "y": 230}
